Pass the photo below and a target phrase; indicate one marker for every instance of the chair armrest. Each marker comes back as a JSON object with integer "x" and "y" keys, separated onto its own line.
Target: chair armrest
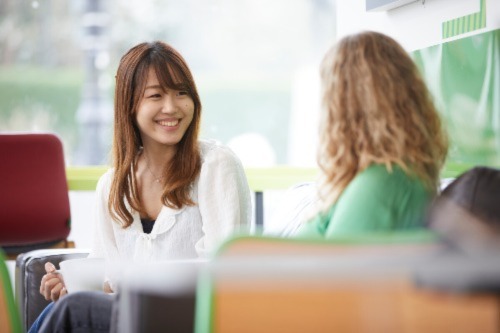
{"x": 28, "y": 274}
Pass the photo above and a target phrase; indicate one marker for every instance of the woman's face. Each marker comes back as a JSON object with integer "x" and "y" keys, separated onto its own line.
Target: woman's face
{"x": 163, "y": 116}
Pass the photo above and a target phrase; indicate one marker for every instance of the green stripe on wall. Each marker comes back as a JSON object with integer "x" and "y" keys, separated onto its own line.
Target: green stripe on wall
{"x": 465, "y": 23}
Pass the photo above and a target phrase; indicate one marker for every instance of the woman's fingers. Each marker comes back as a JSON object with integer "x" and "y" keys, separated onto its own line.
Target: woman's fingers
{"x": 49, "y": 282}
{"x": 49, "y": 267}
{"x": 52, "y": 284}
{"x": 55, "y": 293}
{"x": 107, "y": 287}
{"x": 47, "y": 287}
{"x": 45, "y": 282}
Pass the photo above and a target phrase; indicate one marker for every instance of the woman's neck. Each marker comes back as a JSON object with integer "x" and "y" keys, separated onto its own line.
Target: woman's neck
{"x": 158, "y": 157}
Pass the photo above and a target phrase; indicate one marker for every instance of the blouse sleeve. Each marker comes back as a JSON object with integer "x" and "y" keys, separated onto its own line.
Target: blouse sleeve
{"x": 223, "y": 199}
{"x": 103, "y": 242}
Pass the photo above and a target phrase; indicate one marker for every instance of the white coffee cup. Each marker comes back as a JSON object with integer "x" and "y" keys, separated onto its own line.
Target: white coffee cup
{"x": 83, "y": 274}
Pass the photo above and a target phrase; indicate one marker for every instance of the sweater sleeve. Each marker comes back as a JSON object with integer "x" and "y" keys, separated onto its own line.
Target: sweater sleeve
{"x": 223, "y": 198}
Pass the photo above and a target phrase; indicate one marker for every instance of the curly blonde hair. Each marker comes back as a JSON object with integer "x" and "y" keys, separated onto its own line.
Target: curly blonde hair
{"x": 376, "y": 109}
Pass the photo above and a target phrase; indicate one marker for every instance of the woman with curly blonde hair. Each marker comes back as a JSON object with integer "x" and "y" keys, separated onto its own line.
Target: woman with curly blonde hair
{"x": 382, "y": 144}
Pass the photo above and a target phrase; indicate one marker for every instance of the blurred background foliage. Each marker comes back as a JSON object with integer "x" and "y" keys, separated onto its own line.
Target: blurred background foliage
{"x": 255, "y": 63}
{"x": 244, "y": 56}
{"x": 40, "y": 99}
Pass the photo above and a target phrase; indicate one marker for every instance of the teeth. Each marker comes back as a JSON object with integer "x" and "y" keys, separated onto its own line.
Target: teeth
{"x": 168, "y": 123}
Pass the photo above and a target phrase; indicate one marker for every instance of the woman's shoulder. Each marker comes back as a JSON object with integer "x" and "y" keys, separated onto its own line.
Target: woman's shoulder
{"x": 105, "y": 179}
{"x": 384, "y": 177}
{"x": 213, "y": 151}
{"x": 384, "y": 172}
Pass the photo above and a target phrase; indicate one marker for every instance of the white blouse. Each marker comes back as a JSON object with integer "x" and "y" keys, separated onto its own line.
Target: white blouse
{"x": 223, "y": 207}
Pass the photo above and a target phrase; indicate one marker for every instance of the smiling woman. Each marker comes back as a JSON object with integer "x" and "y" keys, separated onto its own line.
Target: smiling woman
{"x": 169, "y": 196}
{"x": 163, "y": 114}
{"x": 163, "y": 91}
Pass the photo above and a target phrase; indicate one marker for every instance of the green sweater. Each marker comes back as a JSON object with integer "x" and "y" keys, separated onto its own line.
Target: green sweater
{"x": 376, "y": 200}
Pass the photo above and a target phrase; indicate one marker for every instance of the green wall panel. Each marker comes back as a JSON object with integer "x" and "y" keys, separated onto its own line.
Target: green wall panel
{"x": 465, "y": 23}
{"x": 464, "y": 77}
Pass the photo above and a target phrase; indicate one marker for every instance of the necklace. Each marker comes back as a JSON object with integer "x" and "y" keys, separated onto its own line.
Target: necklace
{"x": 156, "y": 179}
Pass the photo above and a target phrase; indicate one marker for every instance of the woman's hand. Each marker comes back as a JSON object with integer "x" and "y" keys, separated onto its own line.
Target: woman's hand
{"x": 52, "y": 284}
{"x": 107, "y": 288}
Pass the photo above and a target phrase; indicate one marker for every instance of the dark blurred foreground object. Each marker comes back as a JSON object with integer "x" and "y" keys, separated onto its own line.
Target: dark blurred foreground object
{"x": 467, "y": 217}
{"x": 162, "y": 298}
{"x": 34, "y": 200}
{"x": 467, "y": 213}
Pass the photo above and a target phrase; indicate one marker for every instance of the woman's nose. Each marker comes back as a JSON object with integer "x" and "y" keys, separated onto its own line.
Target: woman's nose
{"x": 169, "y": 105}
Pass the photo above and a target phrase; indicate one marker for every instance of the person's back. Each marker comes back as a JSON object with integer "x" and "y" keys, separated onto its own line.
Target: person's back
{"x": 374, "y": 201}
{"x": 382, "y": 145}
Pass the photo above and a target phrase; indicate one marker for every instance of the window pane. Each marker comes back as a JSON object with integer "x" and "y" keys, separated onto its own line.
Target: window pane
{"x": 255, "y": 63}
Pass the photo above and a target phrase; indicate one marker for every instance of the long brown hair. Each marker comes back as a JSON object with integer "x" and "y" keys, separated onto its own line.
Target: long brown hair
{"x": 376, "y": 109}
{"x": 172, "y": 72}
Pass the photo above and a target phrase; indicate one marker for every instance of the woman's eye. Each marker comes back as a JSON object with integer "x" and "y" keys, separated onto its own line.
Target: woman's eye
{"x": 182, "y": 93}
{"x": 155, "y": 96}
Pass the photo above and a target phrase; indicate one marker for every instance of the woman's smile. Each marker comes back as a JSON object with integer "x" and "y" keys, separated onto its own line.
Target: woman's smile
{"x": 168, "y": 123}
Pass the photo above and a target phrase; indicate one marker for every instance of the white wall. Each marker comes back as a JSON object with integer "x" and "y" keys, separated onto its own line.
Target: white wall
{"x": 82, "y": 205}
{"x": 416, "y": 25}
